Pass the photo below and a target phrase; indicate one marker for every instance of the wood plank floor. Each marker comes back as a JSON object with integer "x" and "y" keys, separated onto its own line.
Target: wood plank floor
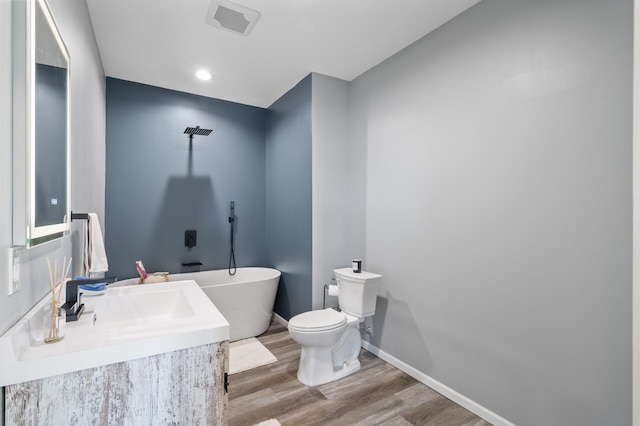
{"x": 378, "y": 394}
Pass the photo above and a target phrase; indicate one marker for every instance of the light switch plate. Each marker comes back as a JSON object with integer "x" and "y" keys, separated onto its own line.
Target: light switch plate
{"x": 13, "y": 268}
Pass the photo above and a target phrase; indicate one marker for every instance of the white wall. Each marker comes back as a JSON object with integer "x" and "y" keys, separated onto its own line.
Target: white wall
{"x": 636, "y": 214}
{"x": 88, "y": 113}
{"x": 330, "y": 176}
{"x": 5, "y": 159}
{"x": 499, "y": 205}
{"x": 87, "y": 145}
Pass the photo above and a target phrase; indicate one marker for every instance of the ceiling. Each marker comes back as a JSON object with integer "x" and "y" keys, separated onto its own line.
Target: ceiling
{"x": 163, "y": 42}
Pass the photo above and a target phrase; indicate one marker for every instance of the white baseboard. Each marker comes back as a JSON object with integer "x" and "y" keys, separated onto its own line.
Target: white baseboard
{"x": 281, "y": 320}
{"x": 442, "y": 389}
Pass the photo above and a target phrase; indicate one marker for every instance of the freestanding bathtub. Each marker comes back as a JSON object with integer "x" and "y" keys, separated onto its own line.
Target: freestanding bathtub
{"x": 245, "y": 299}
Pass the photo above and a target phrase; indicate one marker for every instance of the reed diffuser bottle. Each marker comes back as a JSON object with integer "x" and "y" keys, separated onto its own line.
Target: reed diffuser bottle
{"x": 54, "y": 320}
{"x": 55, "y": 317}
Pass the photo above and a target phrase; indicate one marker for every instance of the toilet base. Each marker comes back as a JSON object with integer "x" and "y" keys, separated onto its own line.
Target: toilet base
{"x": 328, "y": 355}
{"x": 315, "y": 371}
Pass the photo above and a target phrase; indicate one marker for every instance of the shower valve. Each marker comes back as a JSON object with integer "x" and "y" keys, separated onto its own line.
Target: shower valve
{"x": 190, "y": 238}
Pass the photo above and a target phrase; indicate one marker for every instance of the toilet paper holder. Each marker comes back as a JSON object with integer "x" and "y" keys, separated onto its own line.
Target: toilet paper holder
{"x": 330, "y": 290}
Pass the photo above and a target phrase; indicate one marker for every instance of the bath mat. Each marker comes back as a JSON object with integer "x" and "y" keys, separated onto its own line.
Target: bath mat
{"x": 270, "y": 422}
{"x": 247, "y": 354}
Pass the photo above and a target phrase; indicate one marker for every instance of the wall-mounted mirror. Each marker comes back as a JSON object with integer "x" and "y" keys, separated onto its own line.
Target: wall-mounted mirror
{"x": 46, "y": 124}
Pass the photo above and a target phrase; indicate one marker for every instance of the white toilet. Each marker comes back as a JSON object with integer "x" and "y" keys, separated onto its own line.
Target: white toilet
{"x": 330, "y": 339}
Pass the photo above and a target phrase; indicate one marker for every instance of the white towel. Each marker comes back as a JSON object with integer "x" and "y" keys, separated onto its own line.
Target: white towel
{"x": 94, "y": 256}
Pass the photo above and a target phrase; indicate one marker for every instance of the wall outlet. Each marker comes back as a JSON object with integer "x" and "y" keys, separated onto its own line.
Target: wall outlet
{"x": 13, "y": 269}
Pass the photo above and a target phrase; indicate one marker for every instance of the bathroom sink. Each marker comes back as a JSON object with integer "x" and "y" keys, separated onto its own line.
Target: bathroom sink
{"x": 123, "y": 310}
{"x": 124, "y": 323}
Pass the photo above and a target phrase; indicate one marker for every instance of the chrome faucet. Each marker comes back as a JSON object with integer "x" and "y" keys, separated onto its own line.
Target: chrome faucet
{"x": 73, "y": 296}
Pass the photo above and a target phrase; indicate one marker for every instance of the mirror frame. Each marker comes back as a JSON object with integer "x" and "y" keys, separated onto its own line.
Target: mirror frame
{"x": 25, "y": 231}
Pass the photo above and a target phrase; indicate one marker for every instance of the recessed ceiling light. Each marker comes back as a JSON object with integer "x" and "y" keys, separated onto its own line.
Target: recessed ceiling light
{"x": 203, "y": 75}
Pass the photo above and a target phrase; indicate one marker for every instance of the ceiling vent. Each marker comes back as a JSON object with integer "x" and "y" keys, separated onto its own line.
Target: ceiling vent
{"x": 231, "y": 16}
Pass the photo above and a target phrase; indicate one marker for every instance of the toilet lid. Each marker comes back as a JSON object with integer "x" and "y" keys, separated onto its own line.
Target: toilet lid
{"x": 321, "y": 320}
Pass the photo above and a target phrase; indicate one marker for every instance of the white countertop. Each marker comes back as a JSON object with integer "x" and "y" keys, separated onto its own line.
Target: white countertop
{"x": 130, "y": 322}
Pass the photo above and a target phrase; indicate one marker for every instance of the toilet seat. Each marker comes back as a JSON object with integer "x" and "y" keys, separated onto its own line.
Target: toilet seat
{"x": 316, "y": 321}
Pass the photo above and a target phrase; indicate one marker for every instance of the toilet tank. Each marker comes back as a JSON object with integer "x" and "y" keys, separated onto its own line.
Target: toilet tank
{"x": 357, "y": 291}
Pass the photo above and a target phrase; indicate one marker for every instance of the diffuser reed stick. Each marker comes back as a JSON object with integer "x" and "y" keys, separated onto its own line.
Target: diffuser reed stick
{"x": 64, "y": 280}
{"x": 56, "y": 319}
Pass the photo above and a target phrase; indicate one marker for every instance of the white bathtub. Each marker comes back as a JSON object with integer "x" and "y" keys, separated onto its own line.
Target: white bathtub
{"x": 245, "y": 299}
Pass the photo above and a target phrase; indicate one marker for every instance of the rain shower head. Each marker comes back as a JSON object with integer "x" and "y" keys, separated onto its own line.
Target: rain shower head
{"x": 197, "y": 131}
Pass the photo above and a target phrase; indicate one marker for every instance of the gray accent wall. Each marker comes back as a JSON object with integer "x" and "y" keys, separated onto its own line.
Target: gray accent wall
{"x": 158, "y": 185}
{"x": 499, "y": 207}
{"x": 288, "y": 212}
